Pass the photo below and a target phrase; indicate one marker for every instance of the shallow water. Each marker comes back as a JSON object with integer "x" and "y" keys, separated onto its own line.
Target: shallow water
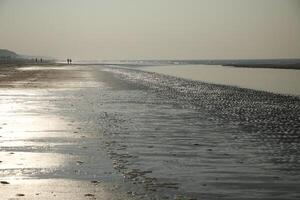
{"x": 46, "y": 155}
{"x": 281, "y": 81}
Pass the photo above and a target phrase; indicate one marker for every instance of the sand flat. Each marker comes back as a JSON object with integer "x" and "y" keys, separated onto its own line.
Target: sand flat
{"x": 49, "y": 189}
{"x": 45, "y": 155}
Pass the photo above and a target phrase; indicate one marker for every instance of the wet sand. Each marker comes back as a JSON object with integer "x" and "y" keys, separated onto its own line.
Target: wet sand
{"x": 79, "y": 131}
{"x": 45, "y": 155}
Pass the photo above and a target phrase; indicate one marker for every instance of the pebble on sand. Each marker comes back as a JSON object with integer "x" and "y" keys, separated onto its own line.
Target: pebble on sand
{"x": 89, "y": 195}
{"x": 95, "y": 182}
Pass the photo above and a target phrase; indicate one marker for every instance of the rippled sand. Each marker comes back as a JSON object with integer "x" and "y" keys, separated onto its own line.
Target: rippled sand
{"x": 212, "y": 140}
{"x": 150, "y": 136}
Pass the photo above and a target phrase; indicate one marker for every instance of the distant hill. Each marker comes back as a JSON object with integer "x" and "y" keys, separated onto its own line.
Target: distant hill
{"x": 4, "y": 53}
{"x": 7, "y": 56}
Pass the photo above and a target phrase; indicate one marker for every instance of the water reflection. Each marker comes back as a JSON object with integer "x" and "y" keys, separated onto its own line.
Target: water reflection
{"x": 282, "y": 81}
{"x": 23, "y": 119}
{"x": 40, "y": 146}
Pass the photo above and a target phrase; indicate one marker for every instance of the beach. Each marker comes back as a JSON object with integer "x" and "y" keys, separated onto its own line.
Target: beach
{"x": 109, "y": 132}
{"x": 45, "y": 154}
{"x": 270, "y": 79}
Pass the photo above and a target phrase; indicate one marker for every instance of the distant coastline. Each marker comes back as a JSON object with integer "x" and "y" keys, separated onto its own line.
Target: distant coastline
{"x": 270, "y": 66}
{"x": 11, "y": 57}
{"x": 243, "y": 63}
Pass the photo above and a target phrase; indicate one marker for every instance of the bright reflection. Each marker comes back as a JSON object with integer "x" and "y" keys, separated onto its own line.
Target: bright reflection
{"x": 30, "y": 160}
{"x": 26, "y": 124}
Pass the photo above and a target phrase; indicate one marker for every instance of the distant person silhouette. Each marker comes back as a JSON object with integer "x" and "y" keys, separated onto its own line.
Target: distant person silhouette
{"x": 69, "y": 61}
{"x": 36, "y": 60}
{"x": 41, "y": 60}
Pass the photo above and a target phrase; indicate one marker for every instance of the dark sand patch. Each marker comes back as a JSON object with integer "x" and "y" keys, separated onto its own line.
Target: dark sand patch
{"x": 41, "y": 77}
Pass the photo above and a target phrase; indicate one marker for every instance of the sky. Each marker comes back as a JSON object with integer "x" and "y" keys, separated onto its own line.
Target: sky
{"x": 151, "y": 29}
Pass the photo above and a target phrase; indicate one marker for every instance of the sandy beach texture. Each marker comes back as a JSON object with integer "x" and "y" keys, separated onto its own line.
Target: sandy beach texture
{"x": 101, "y": 132}
{"x": 45, "y": 155}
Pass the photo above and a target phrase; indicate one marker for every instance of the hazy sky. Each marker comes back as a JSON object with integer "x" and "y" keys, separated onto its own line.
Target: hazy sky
{"x": 151, "y": 29}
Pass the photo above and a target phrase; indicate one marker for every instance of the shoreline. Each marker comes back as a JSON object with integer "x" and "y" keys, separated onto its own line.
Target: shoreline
{"x": 138, "y": 63}
{"x": 281, "y": 81}
{"x": 116, "y": 133}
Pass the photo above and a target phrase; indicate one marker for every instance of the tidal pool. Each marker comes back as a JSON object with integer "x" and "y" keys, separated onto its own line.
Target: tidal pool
{"x": 280, "y": 81}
